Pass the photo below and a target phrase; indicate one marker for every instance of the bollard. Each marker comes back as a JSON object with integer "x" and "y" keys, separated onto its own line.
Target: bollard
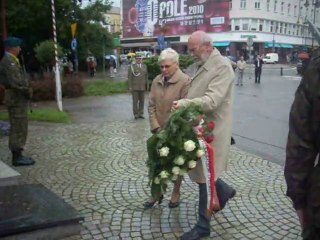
{"x": 281, "y": 71}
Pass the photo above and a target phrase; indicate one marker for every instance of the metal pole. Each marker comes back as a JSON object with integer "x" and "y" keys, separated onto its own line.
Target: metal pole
{"x": 103, "y": 55}
{"x": 3, "y": 17}
{"x": 314, "y": 18}
{"x": 56, "y": 69}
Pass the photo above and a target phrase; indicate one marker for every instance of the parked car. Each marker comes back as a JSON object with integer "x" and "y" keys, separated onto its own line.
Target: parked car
{"x": 299, "y": 67}
{"x": 271, "y": 58}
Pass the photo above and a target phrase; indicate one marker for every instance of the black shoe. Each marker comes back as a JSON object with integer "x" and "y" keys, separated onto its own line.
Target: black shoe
{"x": 224, "y": 192}
{"x": 148, "y": 204}
{"x": 194, "y": 234}
{"x": 136, "y": 118}
{"x": 22, "y": 161}
{"x": 173, "y": 204}
{"x": 142, "y": 117}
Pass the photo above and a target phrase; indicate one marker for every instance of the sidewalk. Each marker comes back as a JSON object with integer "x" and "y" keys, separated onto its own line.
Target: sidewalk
{"x": 97, "y": 164}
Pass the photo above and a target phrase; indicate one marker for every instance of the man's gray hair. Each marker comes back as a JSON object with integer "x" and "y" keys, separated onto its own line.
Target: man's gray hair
{"x": 205, "y": 38}
{"x": 169, "y": 54}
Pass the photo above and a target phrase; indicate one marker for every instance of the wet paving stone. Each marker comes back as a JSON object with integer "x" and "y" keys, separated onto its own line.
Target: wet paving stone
{"x": 100, "y": 170}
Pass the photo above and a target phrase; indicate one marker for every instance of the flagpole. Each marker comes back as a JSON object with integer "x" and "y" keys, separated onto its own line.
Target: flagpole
{"x": 56, "y": 69}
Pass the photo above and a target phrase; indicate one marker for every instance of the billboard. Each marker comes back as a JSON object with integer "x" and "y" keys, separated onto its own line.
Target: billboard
{"x": 143, "y": 18}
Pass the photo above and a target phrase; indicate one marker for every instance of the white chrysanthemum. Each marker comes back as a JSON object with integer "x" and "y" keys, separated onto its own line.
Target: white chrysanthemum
{"x": 179, "y": 160}
{"x": 189, "y": 146}
{"x": 164, "y": 174}
{"x": 174, "y": 177}
{"x": 192, "y": 164}
{"x": 175, "y": 170}
{"x": 200, "y": 153}
{"x": 164, "y": 151}
{"x": 182, "y": 171}
{"x": 156, "y": 180}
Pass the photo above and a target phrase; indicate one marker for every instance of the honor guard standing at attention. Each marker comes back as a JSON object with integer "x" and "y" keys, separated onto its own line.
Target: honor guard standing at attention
{"x": 138, "y": 84}
{"x": 17, "y": 95}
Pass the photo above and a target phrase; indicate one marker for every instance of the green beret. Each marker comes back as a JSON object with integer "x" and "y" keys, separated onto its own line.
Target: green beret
{"x": 12, "y": 42}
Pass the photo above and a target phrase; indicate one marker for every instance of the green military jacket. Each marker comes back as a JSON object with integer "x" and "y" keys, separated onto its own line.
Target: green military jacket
{"x": 302, "y": 172}
{"x": 16, "y": 84}
{"x": 138, "y": 77}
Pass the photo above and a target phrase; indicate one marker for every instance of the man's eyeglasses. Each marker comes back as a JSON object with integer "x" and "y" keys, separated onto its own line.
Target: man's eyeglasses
{"x": 165, "y": 66}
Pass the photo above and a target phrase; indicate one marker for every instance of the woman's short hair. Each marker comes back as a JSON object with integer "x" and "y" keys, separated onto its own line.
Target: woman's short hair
{"x": 169, "y": 54}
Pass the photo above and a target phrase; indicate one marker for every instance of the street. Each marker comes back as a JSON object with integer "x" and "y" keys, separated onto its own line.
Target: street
{"x": 261, "y": 112}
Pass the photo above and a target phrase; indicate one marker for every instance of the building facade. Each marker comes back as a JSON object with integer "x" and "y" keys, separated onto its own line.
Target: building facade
{"x": 238, "y": 27}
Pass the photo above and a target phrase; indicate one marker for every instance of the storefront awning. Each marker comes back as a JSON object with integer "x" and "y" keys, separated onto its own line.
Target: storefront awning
{"x": 221, "y": 44}
{"x": 286, "y": 45}
{"x": 277, "y": 45}
{"x": 270, "y": 45}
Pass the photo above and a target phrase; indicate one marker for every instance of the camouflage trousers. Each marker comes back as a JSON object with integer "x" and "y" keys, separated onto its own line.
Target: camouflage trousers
{"x": 18, "y": 117}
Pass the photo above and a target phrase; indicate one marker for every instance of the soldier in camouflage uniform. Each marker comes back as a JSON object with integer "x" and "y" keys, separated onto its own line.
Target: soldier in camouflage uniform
{"x": 17, "y": 96}
{"x": 302, "y": 169}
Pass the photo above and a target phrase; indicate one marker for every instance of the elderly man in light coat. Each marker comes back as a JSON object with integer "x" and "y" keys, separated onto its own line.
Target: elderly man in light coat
{"x": 212, "y": 88}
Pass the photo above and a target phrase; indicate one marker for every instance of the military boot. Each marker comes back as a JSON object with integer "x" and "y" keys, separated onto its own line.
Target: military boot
{"x": 19, "y": 160}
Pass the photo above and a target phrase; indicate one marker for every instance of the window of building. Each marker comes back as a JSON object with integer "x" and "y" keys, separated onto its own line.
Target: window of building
{"x": 243, "y": 4}
{"x": 254, "y": 25}
{"x": 289, "y": 8}
{"x": 280, "y": 29}
{"x": 285, "y": 28}
{"x": 257, "y": 4}
{"x": 260, "y": 27}
{"x": 275, "y": 5}
{"x": 230, "y": 4}
{"x": 236, "y": 24}
{"x": 245, "y": 24}
{"x": 295, "y": 10}
{"x": 272, "y": 26}
{"x": 282, "y": 7}
{"x": 268, "y": 5}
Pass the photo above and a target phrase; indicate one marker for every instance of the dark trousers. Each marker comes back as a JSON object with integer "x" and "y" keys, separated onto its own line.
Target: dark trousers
{"x": 203, "y": 224}
{"x": 138, "y": 103}
{"x": 18, "y": 118}
{"x": 257, "y": 75}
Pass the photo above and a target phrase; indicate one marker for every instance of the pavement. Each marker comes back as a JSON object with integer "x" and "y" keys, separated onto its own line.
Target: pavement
{"x": 97, "y": 164}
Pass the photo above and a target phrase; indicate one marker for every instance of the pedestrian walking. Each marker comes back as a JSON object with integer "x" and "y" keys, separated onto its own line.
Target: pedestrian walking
{"x": 138, "y": 84}
{"x": 302, "y": 169}
{"x": 241, "y": 66}
{"x": 258, "y": 69}
{"x": 92, "y": 66}
{"x": 211, "y": 87}
{"x": 172, "y": 84}
{"x": 17, "y": 96}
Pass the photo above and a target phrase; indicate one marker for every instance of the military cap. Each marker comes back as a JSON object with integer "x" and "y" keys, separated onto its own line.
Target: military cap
{"x": 12, "y": 42}
{"x": 138, "y": 56}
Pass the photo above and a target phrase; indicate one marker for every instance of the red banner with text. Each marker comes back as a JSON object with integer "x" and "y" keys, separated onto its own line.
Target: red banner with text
{"x": 173, "y": 17}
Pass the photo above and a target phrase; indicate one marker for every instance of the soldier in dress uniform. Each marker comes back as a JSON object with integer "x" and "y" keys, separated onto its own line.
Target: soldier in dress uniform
{"x": 302, "y": 168}
{"x": 138, "y": 84}
{"x": 17, "y": 95}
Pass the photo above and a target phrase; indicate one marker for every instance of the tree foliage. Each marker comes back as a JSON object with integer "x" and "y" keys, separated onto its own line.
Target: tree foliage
{"x": 45, "y": 52}
{"x": 32, "y": 21}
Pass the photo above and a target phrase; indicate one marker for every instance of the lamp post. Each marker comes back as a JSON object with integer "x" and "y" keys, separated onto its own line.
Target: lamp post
{"x": 273, "y": 43}
{"x": 103, "y": 54}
